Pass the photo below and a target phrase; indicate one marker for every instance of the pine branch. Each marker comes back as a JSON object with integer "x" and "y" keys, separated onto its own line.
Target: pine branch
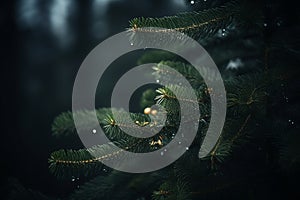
{"x": 65, "y": 164}
{"x": 176, "y": 187}
{"x": 68, "y": 163}
{"x": 195, "y": 24}
{"x": 64, "y": 123}
{"x": 166, "y": 93}
{"x": 161, "y": 72}
{"x": 227, "y": 143}
{"x": 86, "y": 162}
{"x": 246, "y": 92}
{"x": 238, "y": 134}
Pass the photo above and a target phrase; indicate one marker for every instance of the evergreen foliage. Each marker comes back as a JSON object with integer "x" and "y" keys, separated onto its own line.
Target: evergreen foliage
{"x": 252, "y": 139}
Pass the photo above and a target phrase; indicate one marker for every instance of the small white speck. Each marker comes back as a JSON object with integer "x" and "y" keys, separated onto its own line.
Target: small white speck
{"x": 165, "y": 150}
{"x": 179, "y": 142}
{"x": 222, "y": 32}
{"x": 73, "y": 179}
{"x": 157, "y": 81}
{"x": 94, "y": 131}
{"x": 131, "y": 44}
{"x": 162, "y": 153}
{"x": 187, "y": 148}
{"x": 192, "y": 2}
{"x": 265, "y": 24}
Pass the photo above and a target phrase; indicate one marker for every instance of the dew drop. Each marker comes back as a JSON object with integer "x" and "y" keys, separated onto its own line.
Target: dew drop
{"x": 157, "y": 81}
{"x": 131, "y": 44}
{"x": 287, "y": 99}
{"x": 94, "y": 131}
{"x": 187, "y": 148}
{"x": 192, "y": 2}
{"x": 162, "y": 153}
